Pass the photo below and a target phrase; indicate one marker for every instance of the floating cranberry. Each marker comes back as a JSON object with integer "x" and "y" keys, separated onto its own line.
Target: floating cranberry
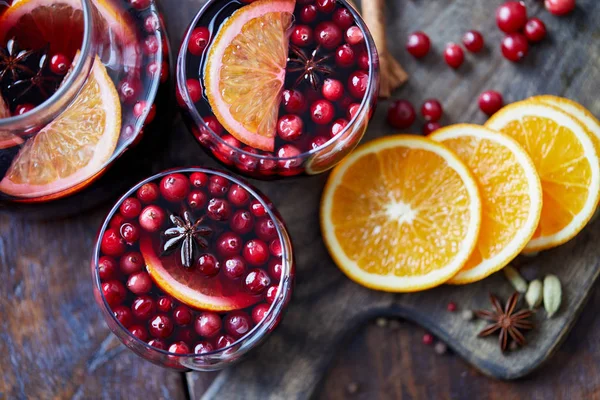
{"x": 123, "y": 315}
{"x": 275, "y": 268}
{"x": 148, "y": 193}
{"x": 207, "y": 324}
{"x": 151, "y": 45}
{"x": 326, "y": 6}
{"x": 535, "y": 30}
{"x": 143, "y": 307}
{"x": 308, "y": 14}
{"x": 328, "y": 35}
{"x": 344, "y": 56}
{"x": 112, "y": 243}
{"x": 131, "y": 263}
{"x": 490, "y": 102}
{"x": 59, "y": 64}
{"x": 203, "y": 348}
{"x": 224, "y": 341}
{"x": 116, "y": 221}
{"x": 242, "y": 222}
{"x": 182, "y": 315}
{"x": 158, "y": 344}
{"x": 257, "y": 209}
{"x": 515, "y": 47}
{"x": 197, "y": 200}
{"x": 186, "y": 335}
{"x": 155, "y": 67}
{"x": 107, "y": 268}
{"x": 354, "y": 36}
{"x": 294, "y": 101}
{"x": 229, "y": 244}
{"x": 179, "y": 348}
{"x": 164, "y": 304}
{"x": 431, "y": 127}
{"x": 23, "y": 109}
{"x": 141, "y": 108}
{"x": 363, "y": 61}
{"x": 418, "y": 44}
{"x": 343, "y": 18}
{"x": 152, "y": 23}
{"x": 401, "y": 114}
{"x": 357, "y": 84}
{"x": 114, "y": 292}
{"x": 214, "y": 125}
{"x": 511, "y": 16}
{"x": 237, "y": 324}
{"x": 338, "y": 127}
{"x": 332, "y": 90}
{"x": 218, "y": 209}
{"x": 428, "y": 339}
{"x": 152, "y": 218}
{"x": 218, "y": 186}
{"x": 289, "y": 159}
{"x": 139, "y": 332}
{"x": 322, "y": 112}
{"x": 194, "y": 90}
{"x": 454, "y": 55}
{"x": 353, "y": 110}
{"x": 257, "y": 281}
{"x": 129, "y": 88}
{"x": 451, "y": 306}
{"x": 199, "y": 179}
{"x": 272, "y": 294}
{"x": 275, "y": 247}
{"x": 140, "y": 4}
{"x": 139, "y": 283}
{"x": 266, "y": 229}
{"x": 161, "y": 326}
{"x": 432, "y": 110}
{"x": 302, "y": 35}
{"x": 246, "y": 161}
{"x": 234, "y": 267}
{"x": 130, "y": 208}
{"x": 199, "y": 40}
{"x": 259, "y": 312}
{"x": 560, "y": 7}
{"x": 290, "y": 127}
{"x": 317, "y": 142}
{"x": 226, "y": 150}
{"x": 473, "y": 41}
{"x": 175, "y": 187}
{"x": 208, "y": 264}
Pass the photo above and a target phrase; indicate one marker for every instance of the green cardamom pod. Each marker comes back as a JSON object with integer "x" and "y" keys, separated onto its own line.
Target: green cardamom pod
{"x": 515, "y": 279}
{"x": 552, "y": 294}
{"x": 534, "y": 295}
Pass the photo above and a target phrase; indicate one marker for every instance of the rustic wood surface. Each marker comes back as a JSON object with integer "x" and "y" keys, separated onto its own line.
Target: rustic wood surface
{"x": 55, "y": 344}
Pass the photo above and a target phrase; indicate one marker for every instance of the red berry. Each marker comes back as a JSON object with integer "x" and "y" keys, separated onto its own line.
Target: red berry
{"x": 114, "y": 292}
{"x": 148, "y": 193}
{"x": 131, "y": 263}
{"x": 418, "y": 44}
{"x": 275, "y": 248}
{"x": 454, "y": 55}
{"x": 152, "y": 23}
{"x": 151, "y": 45}
{"x": 207, "y": 324}
{"x": 357, "y": 84}
{"x": 343, "y": 18}
{"x": 141, "y": 108}
{"x": 535, "y": 30}
{"x": 123, "y": 315}
{"x": 116, "y": 221}
{"x": 328, "y": 35}
{"x": 257, "y": 209}
{"x": 143, "y": 307}
{"x": 515, "y": 47}
{"x": 197, "y": 200}
{"x": 332, "y": 90}
{"x": 139, "y": 283}
{"x": 179, "y": 348}
{"x": 322, "y": 112}
{"x": 140, "y": 4}
{"x": 182, "y": 315}
{"x": 354, "y": 36}
{"x": 199, "y": 40}
{"x": 428, "y": 339}
{"x": 218, "y": 186}
{"x": 294, "y": 101}
{"x": 152, "y": 218}
{"x": 242, "y": 222}
{"x": 112, "y": 244}
{"x": 234, "y": 267}
{"x": 59, "y": 64}
{"x": 401, "y": 114}
{"x": 344, "y": 56}
{"x": 218, "y": 209}
{"x": 511, "y": 16}
{"x": 560, "y": 7}
{"x": 353, "y": 110}
{"x": 338, "y": 127}
{"x": 290, "y": 127}
{"x": 224, "y": 341}
{"x": 194, "y": 90}
{"x": 226, "y": 151}
{"x": 302, "y": 35}
{"x": 229, "y": 244}
{"x": 256, "y": 252}
{"x": 271, "y": 294}
{"x": 451, "y": 306}
{"x": 203, "y": 348}
{"x": 430, "y": 127}
{"x": 490, "y": 102}
{"x": 175, "y": 187}
{"x": 363, "y": 61}
{"x": 208, "y": 265}
{"x": 257, "y": 281}
{"x": 198, "y": 179}
{"x": 473, "y": 41}
{"x": 213, "y": 124}
{"x": 259, "y": 312}
{"x": 266, "y": 229}
{"x": 238, "y": 196}
{"x": 129, "y": 88}
{"x": 432, "y": 110}
{"x": 275, "y": 268}
{"x": 23, "y": 109}
{"x": 155, "y": 67}
{"x": 161, "y": 326}
{"x": 237, "y": 324}
{"x": 317, "y": 142}
{"x": 139, "y": 332}
{"x": 289, "y": 156}
{"x": 130, "y": 208}
{"x": 107, "y": 268}
{"x": 158, "y": 344}
{"x": 326, "y": 6}
{"x": 164, "y": 304}
{"x": 308, "y": 14}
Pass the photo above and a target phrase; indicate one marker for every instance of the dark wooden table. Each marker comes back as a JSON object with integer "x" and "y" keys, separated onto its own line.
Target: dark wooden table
{"x": 54, "y": 342}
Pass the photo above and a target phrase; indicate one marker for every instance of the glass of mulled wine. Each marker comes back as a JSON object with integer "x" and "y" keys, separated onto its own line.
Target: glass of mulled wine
{"x": 276, "y": 88}
{"x": 78, "y": 83}
{"x": 192, "y": 269}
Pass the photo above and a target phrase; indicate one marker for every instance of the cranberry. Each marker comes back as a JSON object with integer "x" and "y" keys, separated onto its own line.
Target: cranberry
{"x": 259, "y": 312}
{"x": 234, "y": 267}
{"x": 357, "y": 84}
{"x": 265, "y": 229}
{"x": 238, "y": 196}
{"x": 107, "y": 268}
{"x": 199, "y": 40}
{"x": 473, "y": 41}
{"x": 451, "y": 306}
{"x": 116, "y": 221}
{"x": 511, "y": 16}
{"x": 560, "y": 7}
{"x": 24, "y": 109}
{"x": 302, "y": 35}
{"x": 363, "y": 61}
{"x": 186, "y": 335}
{"x": 123, "y": 315}
{"x": 139, "y": 283}
{"x": 343, "y": 18}
{"x": 208, "y": 264}
{"x": 317, "y": 142}
{"x": 333, "y": 90}
{"x": 275, "y": 268}
{"x": 226, "y": 151}
{"x": 237, "y": 324}
{"x": 289, "y": 158}
{"x": 272, "y": 294}
{"x": 401, "y": 114}
{"x": 130, "y": 232}
{"x": 114, "y": 292}
{"x": 229, "y": 244}
{"x": 164, "y": 304}
{"x": 290, "y": 127}
{"x": 194, "y": 90}
{"x": 139, "y": 332}
{"x": 242, "y": 222}
{"x": 218, "y": 186}
{"x": 179, "y": 348}
{"x": 515, "y": 47}
{"x": 344, "y": 56}
{"x": 338, "y": 127}
{"x": 197, "y": 200}
{"x": 214, "y": 125}
{"x": 428, "y": 339}
{"x": 257, "y": 281}
{"x": 151, "y": 23}
{"x": 198, "y": 179}
{"x": 112, "y": 244}
{"x": 354, "y": 36}
{"x": 490, "y": 102}
{"x": 161, "y": 326}
{"x": 328, "y": 35}
{"x": 143, "y": 307}
{"x": 430, "y": 127}
{"x": 326, "y": 6}
{"x": 148, "y": 193}
{"x": 152, "y": 218}
{"x": 308, "y": 14}
{"x": 129, "y": 88}
{"x": 175, "y": 187}
{"x": 454, "y": 55}
{"x": 257, "y": 209}
{"x": 418, "y": 44}
{"x": 535, "y": 30}
{"x": 275, "y": 247}
{"x": 353, "y": 110}
{"x": 141, "y": 108}
{"x": 432, "y": 110}
{"x": 155, "y": 67}
{"x": 130, "y": 208}
{"x": 140, "y": 4}
{"x": 158, "y": 344}
{"x": 182, "y": 315}
{"x": 322, "y": 112}
{"x": 294, "y": 101}
{"x": 224, "y": 341}
{"x": 131, "y": 263}
{"x": 203, "y": 348}
{"x": 218, "y": 209}
{"x": 59, "y": 64}
{"x": 151, "y": 45}
{"x": 207, "y": 324}
{"x": 246, "y": 161}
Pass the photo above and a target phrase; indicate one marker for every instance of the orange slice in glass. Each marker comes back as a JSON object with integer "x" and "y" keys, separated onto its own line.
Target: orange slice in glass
{"x": 245, "y": 72}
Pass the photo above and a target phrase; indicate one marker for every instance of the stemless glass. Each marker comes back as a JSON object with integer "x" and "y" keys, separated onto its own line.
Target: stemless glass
{"x": 317, "y": 157}
{"x": 218, "y": 358}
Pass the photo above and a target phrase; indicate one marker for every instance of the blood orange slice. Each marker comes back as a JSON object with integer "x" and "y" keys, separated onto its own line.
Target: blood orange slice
{"x": 74, "y": 147}
{"x": 245, "y": 72}
{"x": 7, "y": 139}
{"x": 189, "y": 286}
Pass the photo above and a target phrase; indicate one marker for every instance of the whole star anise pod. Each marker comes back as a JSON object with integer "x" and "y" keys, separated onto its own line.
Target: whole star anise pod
{"x": 45, "y": 84}
{"x": 186, "y": 234}
{"x": 14, "y": 61}
{"x": 311, "y": 67}
{"x": 507, "y": 321}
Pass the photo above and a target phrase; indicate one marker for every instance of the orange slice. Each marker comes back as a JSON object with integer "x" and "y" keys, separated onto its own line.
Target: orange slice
{"x": 74, "y": 147}
{"x": 401, "y": 214}
{"x": 7, "y": 139}
{"x": 245, "y": 72}
{"x": 511, "y": 196}
{"x": 566, "y": 161}
{"x": 190, "y": 287}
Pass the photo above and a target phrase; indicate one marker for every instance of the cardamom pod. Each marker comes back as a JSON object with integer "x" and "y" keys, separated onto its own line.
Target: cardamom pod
{"x": 516, "y": 280}
{"x": 552, "y": 294}
{"x": 534, "y": 295}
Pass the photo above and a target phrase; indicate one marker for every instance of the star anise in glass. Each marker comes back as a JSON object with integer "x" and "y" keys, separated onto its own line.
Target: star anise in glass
{"x": 311, "y": 67}
{"x": 187, "y": 234}
{"x": 46, "y": 84}
{"x": 507, "y": 321}
{"x": 14, "y": 62}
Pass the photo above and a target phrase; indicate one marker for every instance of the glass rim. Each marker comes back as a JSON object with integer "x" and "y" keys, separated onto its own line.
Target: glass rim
{"x": 370, "y": 91}
{"x": 285, "y": 283}
{"x": 14, "y": 122}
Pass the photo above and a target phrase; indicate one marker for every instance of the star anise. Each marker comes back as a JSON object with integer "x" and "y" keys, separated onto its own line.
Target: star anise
{"x": 13, "y": 61}
{"x": 311, "y": 67}
{"x": 46, "y": 84}
{"x": 186, "y": 234}
{"x": 507, "y": 321}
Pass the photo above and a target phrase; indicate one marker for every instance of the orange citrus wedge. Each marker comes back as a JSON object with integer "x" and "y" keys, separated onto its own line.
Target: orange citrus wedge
{"x": 7, "y": 139}
{"x": 245, "y": 72}
{"x": 191, "y": 287}
{"x": 74, "y": 147}
{"x": 511, "y": 196}
{"x": 566, "y": 161}
{"x": 401, "y": 214}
